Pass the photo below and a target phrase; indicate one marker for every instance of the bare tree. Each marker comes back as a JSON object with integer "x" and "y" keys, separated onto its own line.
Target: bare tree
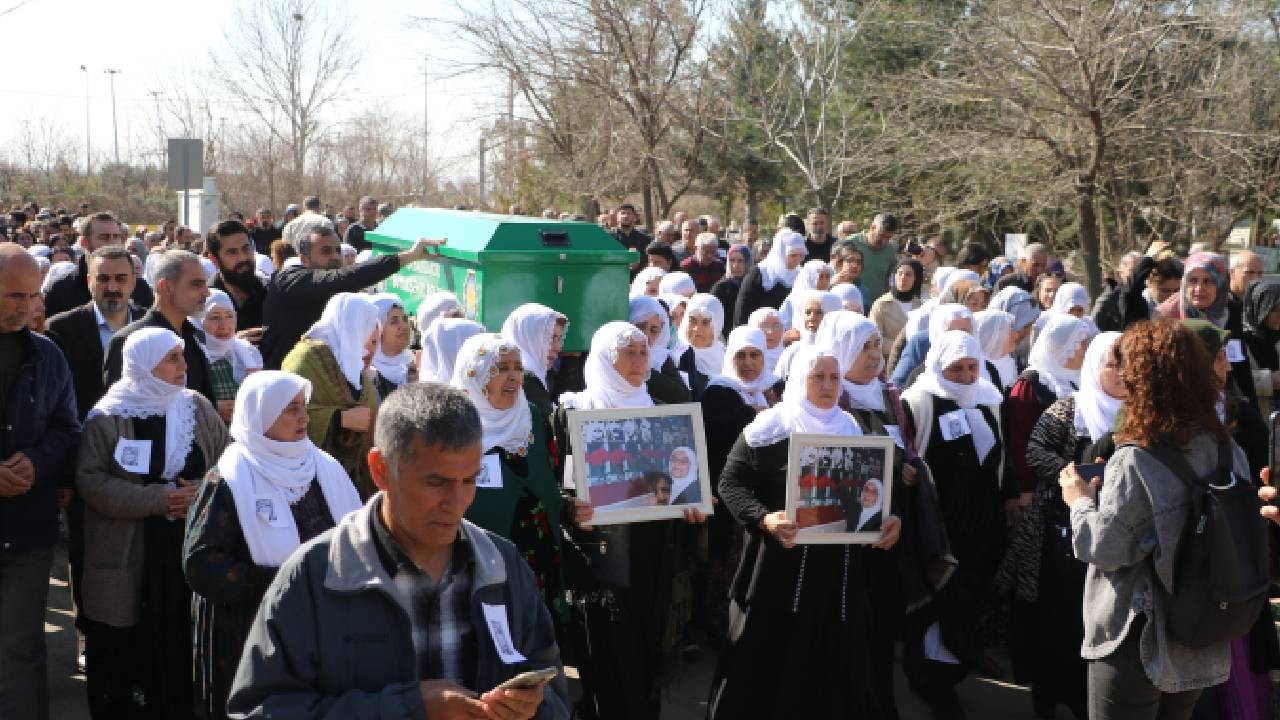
{"x": 288, "y": 60}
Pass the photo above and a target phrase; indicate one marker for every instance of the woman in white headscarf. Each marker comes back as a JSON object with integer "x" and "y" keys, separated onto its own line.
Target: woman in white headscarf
{"x": 539, "y": 333}
{"x": 850, "y": 297}
{"x": 815, "y": 305}
{"x": 701, "y": 329}
{"x": 767, "y": 321}
{"x": 434, "y": 307}
{"x": 440, "y": 347}
{"x": 677, "y": 283}
{"x": 813, "y": 275}
{"x": 954, "y": 416}
{"x": 517, "y": 494}
{"x": 994, "y": 330}
{"x": 392, "y": 359}
{"x": 802, "y": 613}
{"x": 769, "y": 283}
{"x": 145, "y": 448}
{"x": 640, "y": 599}
{"x": 1049, "y": 596}
{"x": 271, "y": 491}
{"x": 666, "y": 383}
{"x": 874, "y": 403}
{"x": 230, "y": 358}
{"x": 648, "y": 282}
{"x": 1053, "y": 373}
{"x": 335, "y": 355}
{"x": 911, "y": 360}
{"x": 872, "y": 507}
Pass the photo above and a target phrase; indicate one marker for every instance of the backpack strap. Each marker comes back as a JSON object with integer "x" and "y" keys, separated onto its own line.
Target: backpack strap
{"x": 1172, "y": 458}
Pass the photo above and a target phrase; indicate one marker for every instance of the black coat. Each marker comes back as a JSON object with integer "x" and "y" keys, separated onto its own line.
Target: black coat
{"x": 72, "y": 291}
{"x": 726, "y": 291}
{"x": 248, "y": 315}
{"x": 199, "y": 376}
{"x": 752, "y": 296}
{"x": 75, "y": 332}
{"x": 296, "y": 297}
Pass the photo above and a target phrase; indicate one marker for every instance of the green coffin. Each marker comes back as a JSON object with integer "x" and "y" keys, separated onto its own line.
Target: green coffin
{"x": 494, "y": 263}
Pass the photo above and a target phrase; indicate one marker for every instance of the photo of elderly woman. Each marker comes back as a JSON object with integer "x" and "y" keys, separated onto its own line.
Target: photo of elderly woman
{"x": 837, "y": 492}
{"x": 636, "y": 465}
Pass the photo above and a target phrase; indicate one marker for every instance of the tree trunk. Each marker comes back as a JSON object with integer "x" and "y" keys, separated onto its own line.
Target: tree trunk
{"x": 646, "y": 195}
{"x": 752, "y": 200}
{"x": 1087, "y": 217}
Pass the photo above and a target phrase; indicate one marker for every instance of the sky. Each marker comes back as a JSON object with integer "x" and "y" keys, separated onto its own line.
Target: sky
{"x": 151, "y": 41}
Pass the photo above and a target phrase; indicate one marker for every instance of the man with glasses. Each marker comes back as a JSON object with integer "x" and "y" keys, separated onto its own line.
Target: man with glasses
{"x": 72, "y": 291}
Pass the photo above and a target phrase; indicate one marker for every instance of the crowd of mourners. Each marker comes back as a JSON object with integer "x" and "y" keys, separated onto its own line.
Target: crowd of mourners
{"x": 265, "y": 472}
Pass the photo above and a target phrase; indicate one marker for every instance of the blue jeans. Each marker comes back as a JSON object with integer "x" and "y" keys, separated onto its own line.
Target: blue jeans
{"x": 24, "y": 592}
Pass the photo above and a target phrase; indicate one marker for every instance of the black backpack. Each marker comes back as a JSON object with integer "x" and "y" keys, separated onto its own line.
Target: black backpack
{"x": 1220, "y": 576}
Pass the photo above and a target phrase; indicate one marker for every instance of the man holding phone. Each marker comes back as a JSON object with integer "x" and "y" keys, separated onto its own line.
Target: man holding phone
{"x": 405, "y": 609}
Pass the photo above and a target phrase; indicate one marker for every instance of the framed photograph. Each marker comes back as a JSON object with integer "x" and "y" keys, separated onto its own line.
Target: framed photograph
{"x": 838, "y": 487}
{"x": 640, "y": 464}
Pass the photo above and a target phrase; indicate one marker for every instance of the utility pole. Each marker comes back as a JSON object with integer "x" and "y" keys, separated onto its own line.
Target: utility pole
{"x": 426, "y": 129}
{"x": 159, "y": 129}
{"x": 88, "y": 148}
{"x": 115, "y": 132}
{"x": 481, "y": 193}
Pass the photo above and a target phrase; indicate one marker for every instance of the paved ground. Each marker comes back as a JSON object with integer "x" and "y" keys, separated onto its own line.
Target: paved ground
{"x": 984, "y": 700}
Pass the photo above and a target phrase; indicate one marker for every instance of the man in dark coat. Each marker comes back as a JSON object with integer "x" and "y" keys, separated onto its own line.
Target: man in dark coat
{"x": 180, "y": 293}
{"x": 73, "y": 290}
{"x": 229, "y": 248}
{"x": 38, "y": 436}
{"x": 296, "y": 296}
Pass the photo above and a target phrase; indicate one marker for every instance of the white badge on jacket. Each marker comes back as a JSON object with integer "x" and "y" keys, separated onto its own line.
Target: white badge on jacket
{"x": 1235, "y": 351}
{"x": 134, "y": 455}
{"x": 271, "y": 512}
{"x": 954, "y": 425}
{"x": 490, "y": 472}
{"x": 495, "y": 616}
{"x": 895, "y": 432}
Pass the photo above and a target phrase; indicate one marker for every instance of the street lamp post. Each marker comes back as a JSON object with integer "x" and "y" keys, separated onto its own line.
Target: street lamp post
{"x": 114, "y": 131}
{"x": 88, "y": 148}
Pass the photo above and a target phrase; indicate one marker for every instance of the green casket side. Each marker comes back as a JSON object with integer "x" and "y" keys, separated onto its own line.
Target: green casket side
{"x": 494, "y": 263}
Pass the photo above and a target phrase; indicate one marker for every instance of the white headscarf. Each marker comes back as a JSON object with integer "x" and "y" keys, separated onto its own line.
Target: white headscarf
{"x": 708, "y": 360}
{"x": 1054, "y": 346}
{"x": 346, "y": 323}
{"x": 846, "y": 332}
{"x": 266, "y": 476}
{"x": 57, "y": 271}
{"x": 757, "y": 318}
{"x": 531, "y": 327}
{"x": 952, "y": 346}
{"x": 682, "y": 483}
{"x": 869, "y": 512}
{"x": 511, "y": 429}
{"x": 810, "y": 272}
{"x": 773, "y": 269}
{"x": 957, "y": 275}
{"x": 433, "y": 307}
{"x": 918, "y": 318}
{"x": 1018, "y": 303}
{"x": 752, "y": 391}
{"x": 640, "y": 285}
{"x": 644, "y": 307}
{"x": 677, "y": 283}
{"x": 242, "y": 355}
{"x": 210, "y": 270}
{"x": 140, "y": 394}
{"x": 394, "y": 369}
{"x": 1070, "y": 295}
{"x": 830, "y": 303}
{"x": 440, "y": 347}
{"x": 675, "y": 343}
{"x": 794, "y": 413}
{"x": 849, "y": 293}
{"x": 606, "y": 388}
{"x": 993, "y": 328}
{"x": 942, "y": 317}
{"x": 1095, "y": 409}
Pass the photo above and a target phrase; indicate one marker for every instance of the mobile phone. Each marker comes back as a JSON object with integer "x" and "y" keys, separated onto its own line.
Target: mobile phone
{"x": 1089, "y": 471}
{"x": 531, "y": 679}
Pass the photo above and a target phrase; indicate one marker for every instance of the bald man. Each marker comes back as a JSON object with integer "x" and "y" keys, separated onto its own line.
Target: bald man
{"x": 38, "y": 434}
{"x": 1245, "y": 268}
